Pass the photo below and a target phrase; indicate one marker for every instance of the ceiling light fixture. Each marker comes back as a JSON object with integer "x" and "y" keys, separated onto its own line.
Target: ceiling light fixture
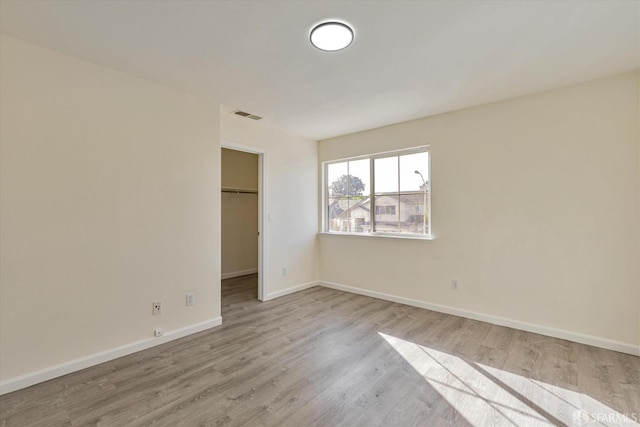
{"x": 331, "y": 36}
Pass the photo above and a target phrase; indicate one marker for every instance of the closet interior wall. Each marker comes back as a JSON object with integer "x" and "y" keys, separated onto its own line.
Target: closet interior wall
{"x": 239, "y": 213}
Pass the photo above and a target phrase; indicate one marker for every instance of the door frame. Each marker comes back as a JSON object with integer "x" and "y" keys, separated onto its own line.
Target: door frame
{"x": 262, "y": 210}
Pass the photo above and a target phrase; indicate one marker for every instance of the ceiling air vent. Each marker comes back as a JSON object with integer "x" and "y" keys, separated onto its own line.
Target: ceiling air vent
{"x": 247, "y": 115}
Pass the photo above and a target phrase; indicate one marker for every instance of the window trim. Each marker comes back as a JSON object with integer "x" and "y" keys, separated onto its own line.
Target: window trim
{"x": 324, "y": 226}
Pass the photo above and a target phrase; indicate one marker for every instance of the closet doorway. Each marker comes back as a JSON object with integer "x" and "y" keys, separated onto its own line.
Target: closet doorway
{"x": 242, "y": 207}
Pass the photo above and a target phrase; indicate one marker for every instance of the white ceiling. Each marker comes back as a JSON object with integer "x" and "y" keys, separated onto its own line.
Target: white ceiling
{"x": 410, "y": 59}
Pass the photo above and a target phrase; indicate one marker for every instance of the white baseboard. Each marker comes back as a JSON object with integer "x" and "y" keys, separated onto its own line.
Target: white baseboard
{"x": 278, "y": 294}
{"x": 23, "y": 381}
{"x": 238, "y": 273}
{"x": 501, "y": 321}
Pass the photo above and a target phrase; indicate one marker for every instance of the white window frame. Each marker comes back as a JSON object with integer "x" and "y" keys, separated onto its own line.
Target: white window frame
{"x": 428, "y": 235}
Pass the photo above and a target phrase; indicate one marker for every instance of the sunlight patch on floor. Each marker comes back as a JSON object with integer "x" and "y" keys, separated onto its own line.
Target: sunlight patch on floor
{"x": 484, "y": 395}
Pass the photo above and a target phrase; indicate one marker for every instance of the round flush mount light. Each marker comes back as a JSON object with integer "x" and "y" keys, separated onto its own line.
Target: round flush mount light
{"x": 331, "y": 36}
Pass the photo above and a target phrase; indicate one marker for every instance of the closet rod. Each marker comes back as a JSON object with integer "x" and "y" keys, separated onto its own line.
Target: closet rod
{"x": 239, "y": 191}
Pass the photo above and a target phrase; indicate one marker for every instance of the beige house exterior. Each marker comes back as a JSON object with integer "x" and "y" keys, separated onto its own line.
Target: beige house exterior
{"x": 394, "y": 213}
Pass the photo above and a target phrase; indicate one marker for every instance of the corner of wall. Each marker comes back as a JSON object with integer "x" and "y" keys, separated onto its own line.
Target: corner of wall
{"x": 638, "y": 201}
{"x": 291, "y": 250}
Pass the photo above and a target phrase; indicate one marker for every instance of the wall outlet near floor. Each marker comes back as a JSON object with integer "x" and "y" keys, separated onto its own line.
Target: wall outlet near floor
{"x": 284, "y": 271}
{"x": 157, "y": 308}
{"x": 190, "y": 299}
{"x": 158, "y": 332}
{"x": 454, "y": 285}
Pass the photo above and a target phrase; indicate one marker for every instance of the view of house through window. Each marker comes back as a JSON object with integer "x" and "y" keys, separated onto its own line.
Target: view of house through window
{"x": 392, "y": 186}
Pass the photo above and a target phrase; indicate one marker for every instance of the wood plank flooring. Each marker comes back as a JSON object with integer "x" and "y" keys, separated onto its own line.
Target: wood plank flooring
{"x": 322, "y": 357}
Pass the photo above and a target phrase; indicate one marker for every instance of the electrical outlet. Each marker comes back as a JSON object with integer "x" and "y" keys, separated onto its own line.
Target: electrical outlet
{"x": 454, "y": 285}
{"x": 158, "y": 333}
{"x": 191, "y": 298}
{"x": 157, "y": 308}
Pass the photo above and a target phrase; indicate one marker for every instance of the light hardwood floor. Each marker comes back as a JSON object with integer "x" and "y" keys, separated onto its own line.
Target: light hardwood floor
{"x": 322, "y": 357}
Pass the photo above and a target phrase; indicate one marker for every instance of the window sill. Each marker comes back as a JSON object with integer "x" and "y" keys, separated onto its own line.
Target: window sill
{"x": 377, "y": 235}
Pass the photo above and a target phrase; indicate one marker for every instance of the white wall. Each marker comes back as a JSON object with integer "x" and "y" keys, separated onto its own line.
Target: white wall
{"x": 239, "y": 214}
{"x": 535, "y": 212}
{"x": 110, "y": 195}
{"x": 291, "y": 201}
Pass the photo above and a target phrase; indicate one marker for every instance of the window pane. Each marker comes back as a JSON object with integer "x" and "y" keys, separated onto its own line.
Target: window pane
{"x": 359, "y": 177}
{"x": 337, "y": 214}
{"x": 386, "y": 213}
{"x": 386, "y": 175}
{"x": 336, "y": 179}
{"x": 409, "y": 164}
{"x": 359, "y": 215}
{"x": 412, "y": 209}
